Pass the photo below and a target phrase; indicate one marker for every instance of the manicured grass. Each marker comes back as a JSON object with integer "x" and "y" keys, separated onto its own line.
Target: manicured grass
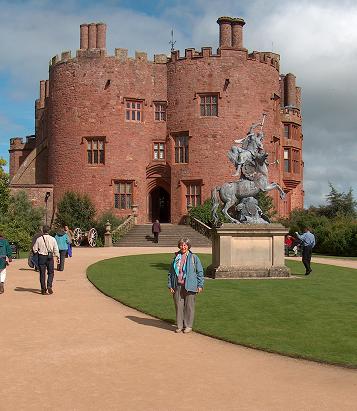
{"x": 310, "y": 317}
{"x": 334, "y": 257}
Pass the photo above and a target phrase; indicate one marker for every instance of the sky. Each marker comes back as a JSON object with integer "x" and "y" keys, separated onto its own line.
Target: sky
{"x": 316, "y": 39}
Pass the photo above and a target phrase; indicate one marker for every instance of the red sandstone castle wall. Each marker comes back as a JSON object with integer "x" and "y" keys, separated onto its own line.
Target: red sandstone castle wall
{"x": 251, "y": 85}
{"x": 81, "y": 104}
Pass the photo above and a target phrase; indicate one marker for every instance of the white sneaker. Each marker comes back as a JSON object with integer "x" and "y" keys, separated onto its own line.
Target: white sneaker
{"x": 178, "y": 330}
{"x": 187, "y": 330}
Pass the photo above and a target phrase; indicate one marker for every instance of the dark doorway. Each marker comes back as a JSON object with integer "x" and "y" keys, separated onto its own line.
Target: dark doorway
{"x": 160, "y": 205}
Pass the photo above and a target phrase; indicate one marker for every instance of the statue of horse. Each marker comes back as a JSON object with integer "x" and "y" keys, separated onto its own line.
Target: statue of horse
{"x": 232, "y": 193}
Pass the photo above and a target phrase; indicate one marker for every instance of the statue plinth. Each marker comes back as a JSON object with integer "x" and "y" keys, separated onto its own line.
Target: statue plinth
{"x": 248, "y": 251}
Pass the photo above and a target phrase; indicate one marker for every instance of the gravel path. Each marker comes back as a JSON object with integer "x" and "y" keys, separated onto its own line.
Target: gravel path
{"x": 79, "y": 350}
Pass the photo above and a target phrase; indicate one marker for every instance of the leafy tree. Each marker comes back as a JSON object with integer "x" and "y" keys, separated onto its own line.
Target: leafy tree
{"x": 21, "y": 220}
{"x": 4, "y": 188}
{"x": 338, "y": 204}
{"x": 75, "y": 210}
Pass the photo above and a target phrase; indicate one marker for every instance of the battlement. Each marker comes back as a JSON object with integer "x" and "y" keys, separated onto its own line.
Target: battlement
{"x": 93, "y": 45}
{"x": 19, "y": 143}
{"x": 290, "y": 114}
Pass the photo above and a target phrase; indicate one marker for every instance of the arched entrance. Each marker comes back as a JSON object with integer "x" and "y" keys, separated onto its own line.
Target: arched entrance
{"x": 159, "y": 205}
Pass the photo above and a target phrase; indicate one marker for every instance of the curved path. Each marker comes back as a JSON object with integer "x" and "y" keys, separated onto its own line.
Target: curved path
{"x": 79, "y": 350}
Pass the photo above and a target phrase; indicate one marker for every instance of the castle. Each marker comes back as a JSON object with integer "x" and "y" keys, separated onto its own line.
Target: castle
{"x": 153, "y": 136}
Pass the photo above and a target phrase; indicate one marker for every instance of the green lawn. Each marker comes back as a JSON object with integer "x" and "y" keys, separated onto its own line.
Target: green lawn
{"x": 312, "y": 317}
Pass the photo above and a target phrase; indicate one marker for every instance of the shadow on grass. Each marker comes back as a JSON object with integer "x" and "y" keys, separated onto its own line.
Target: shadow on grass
{"x": 152, "y": 322}
{"x": 29, "y": 290}
{"x": 161, "y": 266}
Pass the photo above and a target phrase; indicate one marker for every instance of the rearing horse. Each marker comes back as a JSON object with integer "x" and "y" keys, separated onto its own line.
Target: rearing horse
{"x": 231, "y": 193}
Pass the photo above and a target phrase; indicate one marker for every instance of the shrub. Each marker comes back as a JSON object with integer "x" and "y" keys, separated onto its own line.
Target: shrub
{"x": 203, "y": 213}
{"x": 21, "y": 221}
{"x": 75, "y": 210}
{"x": 102, "y": 220}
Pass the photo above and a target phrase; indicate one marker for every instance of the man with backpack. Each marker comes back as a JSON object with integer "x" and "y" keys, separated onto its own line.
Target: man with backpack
{"x": 47, "y": 248}
{"x": 5, "y": 259}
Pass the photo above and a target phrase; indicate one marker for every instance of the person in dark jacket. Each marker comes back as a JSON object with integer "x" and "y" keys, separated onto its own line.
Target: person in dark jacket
{"x": 156, "y": 229}
{"x": 185, "y": 280}
{"x": 5, "y": 259}
{"x": 63, "y": 242}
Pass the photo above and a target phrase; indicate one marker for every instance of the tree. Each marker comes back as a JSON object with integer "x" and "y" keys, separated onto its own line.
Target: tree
{"x": 265, "y": 202}
{"x": 4, "y": 188}
{"x": 338, "y": 204}
{"x": 75, "y": 210}
{"x": 21, "y": 220}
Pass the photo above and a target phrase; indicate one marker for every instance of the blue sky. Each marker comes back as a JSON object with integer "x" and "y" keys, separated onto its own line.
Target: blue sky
{"x": 317, "y": 41}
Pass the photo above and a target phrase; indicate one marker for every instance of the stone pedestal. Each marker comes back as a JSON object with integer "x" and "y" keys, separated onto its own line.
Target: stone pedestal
{"x": 247, "y": 250}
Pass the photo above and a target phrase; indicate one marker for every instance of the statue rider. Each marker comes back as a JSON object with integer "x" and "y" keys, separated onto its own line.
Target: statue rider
{"x": 251, "y": 145}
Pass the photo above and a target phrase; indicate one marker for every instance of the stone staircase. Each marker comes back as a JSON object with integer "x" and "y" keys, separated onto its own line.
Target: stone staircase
{"x": 141, "y": 236}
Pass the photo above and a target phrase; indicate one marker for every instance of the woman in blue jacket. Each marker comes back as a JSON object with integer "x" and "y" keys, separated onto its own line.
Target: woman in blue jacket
{"x": 63, "y": 242}
{"x": 185, "y": 280}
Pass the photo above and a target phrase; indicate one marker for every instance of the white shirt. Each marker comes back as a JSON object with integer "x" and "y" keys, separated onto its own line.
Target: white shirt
{"x": 44, "y": 248}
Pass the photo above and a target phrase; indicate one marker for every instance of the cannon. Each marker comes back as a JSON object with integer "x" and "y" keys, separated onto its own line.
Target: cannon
{"x": 79, "y": 236}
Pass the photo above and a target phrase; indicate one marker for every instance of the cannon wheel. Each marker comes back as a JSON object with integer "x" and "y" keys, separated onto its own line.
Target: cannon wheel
{"x": 92, "y": 237}
{"x": 77, "y": 236}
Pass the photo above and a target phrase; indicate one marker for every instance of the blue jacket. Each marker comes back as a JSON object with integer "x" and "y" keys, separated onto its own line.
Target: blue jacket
{"x": 194, "y": 274}
{"x": 308, "y": 239}
{"x": 62, "y": 241}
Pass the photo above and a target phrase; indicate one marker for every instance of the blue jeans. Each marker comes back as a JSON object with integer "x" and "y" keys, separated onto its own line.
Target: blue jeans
{"x": 46, "y": 263}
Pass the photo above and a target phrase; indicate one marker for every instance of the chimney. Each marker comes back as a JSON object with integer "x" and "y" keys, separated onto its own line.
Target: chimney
{"x": 92, "y": 36}
{"x": 225, "y": 32}
{"x": 83, "y": 36}
{"x": 290, "y": 90}
{"x": 101, "y": 35}
{"x": 237, "y": 33}
{"x": 42, "y": 93}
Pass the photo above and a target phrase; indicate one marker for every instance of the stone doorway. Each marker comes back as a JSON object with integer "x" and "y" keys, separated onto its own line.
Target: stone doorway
{"x": 159, "y": 205}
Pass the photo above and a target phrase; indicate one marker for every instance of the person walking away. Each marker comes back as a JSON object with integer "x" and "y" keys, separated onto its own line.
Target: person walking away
{"x": 185, "y": 280}
{"x": 156, "y": 229}
{"x": 34, "y": 257}
{"x": 5, "y": 259}
{"x": 70, "y": 236}
{"x": 307, "y": 243}
{"x": 47, "y": 249}
{"x": 63, "y": 242}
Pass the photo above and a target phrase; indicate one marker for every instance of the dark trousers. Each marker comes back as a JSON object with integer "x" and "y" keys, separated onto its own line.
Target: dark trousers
{"x": 306, "y": 258}
{"x": 156, "y": 237}
{"x": 62, "y": 259}
{"x": 46, "y": 263}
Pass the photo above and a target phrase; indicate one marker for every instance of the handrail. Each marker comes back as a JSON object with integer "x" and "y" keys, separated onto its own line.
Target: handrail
{"x": 200, "y": 227}
{"x": 124, "y": 228}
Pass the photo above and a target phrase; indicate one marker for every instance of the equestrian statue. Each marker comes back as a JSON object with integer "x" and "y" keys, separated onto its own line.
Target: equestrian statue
{"x": 250, "y": 160}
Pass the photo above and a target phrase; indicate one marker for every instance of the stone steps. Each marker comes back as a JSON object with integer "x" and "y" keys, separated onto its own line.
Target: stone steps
{"x": 141, "y": 236}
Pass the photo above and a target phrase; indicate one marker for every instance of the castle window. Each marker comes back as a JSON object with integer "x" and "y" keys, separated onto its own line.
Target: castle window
{"x": 123, "y": 195}
{"x": 160, "y": 111}
{"x": 295, "y": 132}
{"x": 286, "y": 131}
{"x": 95, "y": 151}
{"x": 287, "y": 160}
{"x": 159, "y": 151}
{"x": 209, "y": 105}
{"x": 193, "y": 194}
{"x": 181, "y": 149}
{"x": 296, "y": 161}
{"x": 134, "y": 110}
